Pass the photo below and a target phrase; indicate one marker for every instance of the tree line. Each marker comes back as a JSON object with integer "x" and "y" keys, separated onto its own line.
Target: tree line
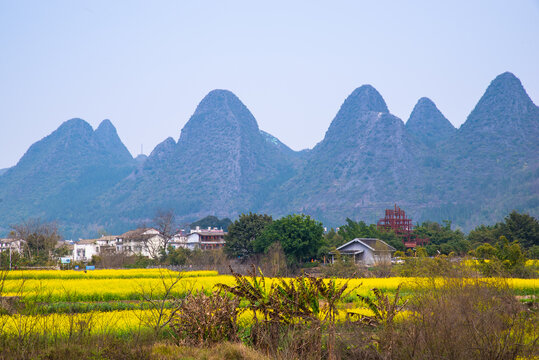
{"x": 302, "y": 240}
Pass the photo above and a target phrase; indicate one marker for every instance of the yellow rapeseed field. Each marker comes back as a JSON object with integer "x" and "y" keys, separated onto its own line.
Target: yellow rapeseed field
{"x": 92, "y": 289}
{"x": 135, "y": 283}
{"x": 104, "y": 274}
{"x": 131, "y": 288}
{"x": 113, "y": 322}
{"x": 95, "y": 322}
{"x": 116, "y": 285}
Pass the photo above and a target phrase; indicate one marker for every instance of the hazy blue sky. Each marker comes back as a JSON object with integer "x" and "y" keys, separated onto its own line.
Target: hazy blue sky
{"x": 146, "y": 65}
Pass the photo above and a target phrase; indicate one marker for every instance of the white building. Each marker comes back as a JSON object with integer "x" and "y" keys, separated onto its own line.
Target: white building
{"x": 366, "y": 251}
{"x": 205, "y": 239}
{"x": 16, "y": 245}
{"x": 83, "y": 250}
{"x": 178, "y": 241}
{"x": 144, "y": 241}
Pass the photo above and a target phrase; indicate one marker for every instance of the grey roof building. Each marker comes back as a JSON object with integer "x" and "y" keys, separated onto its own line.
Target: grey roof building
{"x": 366, "y": 251}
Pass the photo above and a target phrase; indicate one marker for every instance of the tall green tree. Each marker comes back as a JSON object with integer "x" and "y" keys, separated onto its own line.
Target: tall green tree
{"x": 333, "y": 239}
{"x": 357, "y": 229}
{"x": 483, "y": 234}
{"x": 485, "y": 251}
{"x": 243, "y": 232}
{"x": 515, "y": 227}
{"x": 442, "y": 238}
{"x": 300, "y": 237}
{"x": 510, "y": 253}
{"x": 522, "y": 228}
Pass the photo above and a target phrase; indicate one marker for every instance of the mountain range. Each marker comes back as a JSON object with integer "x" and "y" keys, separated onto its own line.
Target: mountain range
{"x": 222, "y": 164}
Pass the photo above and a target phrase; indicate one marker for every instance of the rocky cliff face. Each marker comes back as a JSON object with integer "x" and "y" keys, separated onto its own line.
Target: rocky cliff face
{"x": 490, "y": 166}
{"x": 366, "y": 160}
{"x": 111, "y": 144}
{"x": 477, "y": 174}
{"x": 504, "y": 125}
{"x": 428, "y": 124}
{"x": 223, "y": 164}
{"x": 61, "y": 174}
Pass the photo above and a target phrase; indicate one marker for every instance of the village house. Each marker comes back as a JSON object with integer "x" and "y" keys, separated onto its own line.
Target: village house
{"x": 208, "y": 239}
{"x": 178, "y": 241}
{"x": 64, "y": 248}
{"x": 143, "y": 241}
{"x": 366, "y": 251}
{"x": 84, "y": 249}
{"x": 147, "y": 242}
{"x": 204, "y": 239}
{"x": 16, "y": 245}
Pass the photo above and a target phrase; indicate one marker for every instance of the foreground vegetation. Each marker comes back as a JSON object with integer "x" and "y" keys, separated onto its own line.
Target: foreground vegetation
{"x": 476, "y": 298}
{"x": 162, "y": 314}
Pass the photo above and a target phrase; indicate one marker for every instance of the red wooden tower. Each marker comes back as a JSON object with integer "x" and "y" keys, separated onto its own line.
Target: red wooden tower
{"x": 396, "y": 220}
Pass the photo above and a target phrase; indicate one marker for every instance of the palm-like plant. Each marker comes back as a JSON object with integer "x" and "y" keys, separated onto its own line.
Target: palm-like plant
{"x": 289, "y": 300}
{"x": 383, "y": 307}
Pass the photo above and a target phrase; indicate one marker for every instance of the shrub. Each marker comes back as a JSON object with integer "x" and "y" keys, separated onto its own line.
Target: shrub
{"x": 206, "y": 319}
{"x": 465, "y": 319}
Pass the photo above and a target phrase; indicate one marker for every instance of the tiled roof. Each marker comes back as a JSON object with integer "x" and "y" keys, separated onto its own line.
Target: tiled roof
{"x": 372, "y": 243}
{"x": 376, "y": 244}
{"x": 9, "y": 240}
{"x": 108, "y": 237}
{"x": 137, "y": 233}
{"x": 86, "y": 241}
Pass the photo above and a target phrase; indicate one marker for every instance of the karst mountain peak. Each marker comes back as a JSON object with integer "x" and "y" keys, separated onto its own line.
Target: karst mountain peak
{"x": 428, "y": 124}
{"x": 223, "y": 164}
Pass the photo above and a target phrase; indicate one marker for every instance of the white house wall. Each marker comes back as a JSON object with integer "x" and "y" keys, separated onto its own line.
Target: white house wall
{"x": 89, "y": 250}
